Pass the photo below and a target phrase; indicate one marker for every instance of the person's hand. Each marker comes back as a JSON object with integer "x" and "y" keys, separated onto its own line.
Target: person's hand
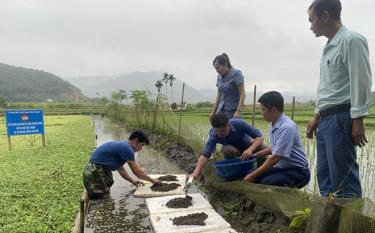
{"x": 194, "y": 175}
{"x": 156, "y": 181}
{"x": 249, "y": 178}
{"x": 138, "y": 183}
{"x": 358, "y": 132}
{"x": 246, "y": 154}
{"x": 311, "y": 127}
{"x": 237, "y": 114}
{"x": 211, "y": 115}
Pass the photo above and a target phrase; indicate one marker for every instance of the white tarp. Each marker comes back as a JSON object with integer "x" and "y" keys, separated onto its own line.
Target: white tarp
{"x": 162, "y": 222}
{"x": 226, "y": 230}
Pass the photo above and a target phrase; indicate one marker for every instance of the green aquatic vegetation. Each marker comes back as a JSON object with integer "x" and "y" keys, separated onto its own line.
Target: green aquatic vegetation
{"x": 300, "y": 219}
{"x": 40, "y": 188}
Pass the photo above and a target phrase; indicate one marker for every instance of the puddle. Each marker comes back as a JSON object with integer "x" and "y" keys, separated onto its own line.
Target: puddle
{"x": 191, "y": 219}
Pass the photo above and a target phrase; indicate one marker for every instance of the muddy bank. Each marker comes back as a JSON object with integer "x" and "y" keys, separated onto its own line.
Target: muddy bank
{"x": 243, "y": 215}
{"x": 246, "y": 214}
{"x": 182, "y": 155}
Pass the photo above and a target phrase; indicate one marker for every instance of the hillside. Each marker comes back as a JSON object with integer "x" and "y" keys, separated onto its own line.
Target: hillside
{"x": 19, "y": 84}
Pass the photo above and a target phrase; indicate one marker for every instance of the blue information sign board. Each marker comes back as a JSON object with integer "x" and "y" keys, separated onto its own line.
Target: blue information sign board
{"x": 21, "y": 122}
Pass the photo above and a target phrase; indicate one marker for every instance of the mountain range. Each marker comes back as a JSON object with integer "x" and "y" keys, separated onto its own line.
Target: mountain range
{"x": 103, "y": 85}
{"x": 99, "y": 86}
{"x": 19, "y": 84}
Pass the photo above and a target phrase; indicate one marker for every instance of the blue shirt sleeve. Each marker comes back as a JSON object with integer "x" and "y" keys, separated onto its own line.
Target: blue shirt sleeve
{"x": 238, "y": 78}
{"x": 284, "y": 143}
{"x": 210, "y": 145}
{"x": 218, "y": 81}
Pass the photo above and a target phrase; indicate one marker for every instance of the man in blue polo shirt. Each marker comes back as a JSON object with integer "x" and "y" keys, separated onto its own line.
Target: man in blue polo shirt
{"x": 111, "y": 156}
{"x": 239, "y": 139}
{"x": 286, "y": 163}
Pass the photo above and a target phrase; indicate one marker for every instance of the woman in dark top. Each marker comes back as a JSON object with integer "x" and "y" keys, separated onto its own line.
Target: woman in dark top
{"x": 230, "y": 88}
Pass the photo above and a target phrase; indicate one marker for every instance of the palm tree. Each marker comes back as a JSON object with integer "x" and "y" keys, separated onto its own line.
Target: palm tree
{"x": 158, "y": 85}
{"x": 166, "y": 80}
{"x": 171, "y": 79}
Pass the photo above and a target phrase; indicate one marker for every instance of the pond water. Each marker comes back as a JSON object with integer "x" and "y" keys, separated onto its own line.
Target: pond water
{"x": 121, "y": 211}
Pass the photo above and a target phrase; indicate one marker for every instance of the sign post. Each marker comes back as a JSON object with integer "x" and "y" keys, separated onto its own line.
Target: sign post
{"x": 24, "y": 122}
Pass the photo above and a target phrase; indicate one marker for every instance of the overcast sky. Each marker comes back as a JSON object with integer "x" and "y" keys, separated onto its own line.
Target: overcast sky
{"x": 269, "y": 40}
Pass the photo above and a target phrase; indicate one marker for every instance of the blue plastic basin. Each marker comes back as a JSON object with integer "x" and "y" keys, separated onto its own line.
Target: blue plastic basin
{"x": 232, "y": 169}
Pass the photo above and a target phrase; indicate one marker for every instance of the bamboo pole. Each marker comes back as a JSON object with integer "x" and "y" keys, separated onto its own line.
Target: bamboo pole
{"x": 293, "y": 104}
{"x": 156, "y": 110}
{"x": 254, "y": 104}
{"x": 44, "y": 140}
{"x": 9, "y": 143}
{"x": 179, "y": 124}
{"x": 82, "y": 215}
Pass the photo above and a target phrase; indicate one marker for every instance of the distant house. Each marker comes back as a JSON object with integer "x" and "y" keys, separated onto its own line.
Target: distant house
{"x": 48, "y": 100}
{"x": 175, "y": 106}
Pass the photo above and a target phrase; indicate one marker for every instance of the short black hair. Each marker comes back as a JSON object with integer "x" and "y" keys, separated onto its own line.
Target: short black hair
{"x": 222, "y": 59}
{"x": 333, "y": 7}
{"x": 272, "y": 99}
{"x": 140, "y": 136}
{"x": 219, "y": 120}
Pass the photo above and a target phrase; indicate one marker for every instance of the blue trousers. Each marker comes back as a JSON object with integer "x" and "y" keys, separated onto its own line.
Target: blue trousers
{"x": 290, "y": 177}
{"x": 337, "y": 169}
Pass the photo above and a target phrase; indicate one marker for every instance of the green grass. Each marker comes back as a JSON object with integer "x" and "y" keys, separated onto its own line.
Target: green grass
{"x": 40, "y": 188}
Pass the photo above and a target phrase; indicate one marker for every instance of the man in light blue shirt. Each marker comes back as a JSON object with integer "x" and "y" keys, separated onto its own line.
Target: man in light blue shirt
{"x": 343, "y": 100}
{"x": 286, "y": 164}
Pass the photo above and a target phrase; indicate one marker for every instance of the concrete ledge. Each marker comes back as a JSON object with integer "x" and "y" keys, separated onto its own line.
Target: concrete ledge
{"x": 79, "y": 223}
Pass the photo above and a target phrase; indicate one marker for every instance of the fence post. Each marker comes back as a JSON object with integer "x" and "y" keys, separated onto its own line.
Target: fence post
{"x": 182, "y": 101}
{"x": 293, "y": 104}
{"x": 9, "y": 143}
{"x": 137, "y": 116}
{"x": 254, "y": 102}
{"x": 156, "y": 110}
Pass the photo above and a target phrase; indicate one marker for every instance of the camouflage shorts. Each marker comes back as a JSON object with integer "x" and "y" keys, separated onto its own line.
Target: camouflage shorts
{"x": 97, "y": 180}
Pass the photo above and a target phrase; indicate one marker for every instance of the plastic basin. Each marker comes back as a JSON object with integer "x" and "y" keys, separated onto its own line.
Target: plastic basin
{"x": 232, "y": 169}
